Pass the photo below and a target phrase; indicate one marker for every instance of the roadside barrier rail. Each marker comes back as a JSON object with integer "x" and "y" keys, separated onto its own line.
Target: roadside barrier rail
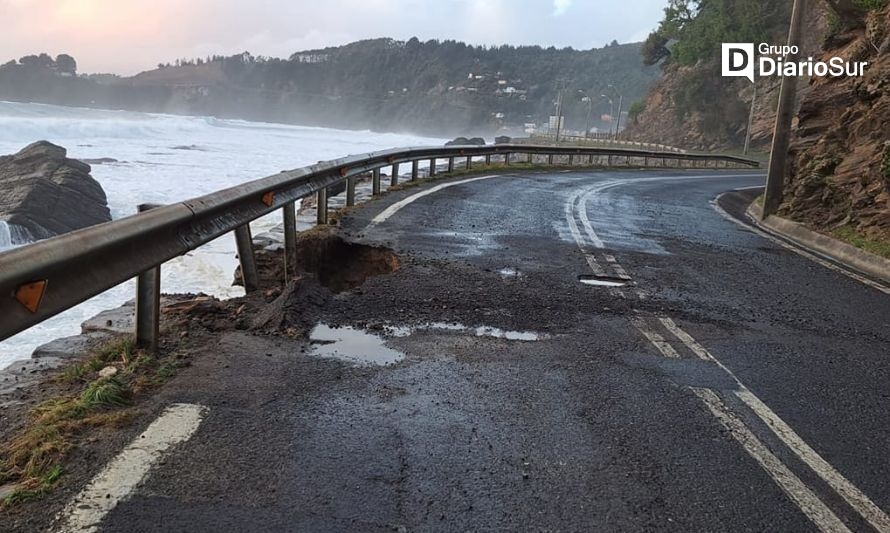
{"x": 40, "y": 280}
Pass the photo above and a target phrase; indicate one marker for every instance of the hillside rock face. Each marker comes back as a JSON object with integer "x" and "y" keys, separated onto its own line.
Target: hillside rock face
{"x": 673, "y": 115}
{"x": 44, "y": 193}
{"x": 840, "y": 157}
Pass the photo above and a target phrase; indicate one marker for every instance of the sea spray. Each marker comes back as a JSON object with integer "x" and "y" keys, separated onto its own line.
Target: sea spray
{"x": 5, "y": 235}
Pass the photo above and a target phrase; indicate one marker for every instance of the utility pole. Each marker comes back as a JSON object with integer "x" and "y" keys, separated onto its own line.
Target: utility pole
{"x": 750, "y": 121}
{"x": 558, "y": 114}
{"x": 618, "y": 121}
{"x": 778, "y": 159}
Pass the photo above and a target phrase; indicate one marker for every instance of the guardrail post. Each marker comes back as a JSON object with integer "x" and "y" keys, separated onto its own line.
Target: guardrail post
{"x": 571, "y": 159}
{"x": 394, "y": 179}
{"x": 432, "y": 167}
{"x": 350, "y": 191}
{"x": 549, "y": 159}
{"x": 375, "y": 182}
{"x": 148, "y": 304}
{"x": 249, "y": 273}
{"x": 528, "y": 158}
{"x": 488, "y": 160}
{"x": 646, "y": 161}
{"x": 609, "y": 162}
{"x": 321, "y": 207}
{"x": 451, "y": 164}
{"x": 414, "y": 165}
{"x": 590, "y": 160}
{"x": 290, "y": 241}
{"x": 469, "y": 162}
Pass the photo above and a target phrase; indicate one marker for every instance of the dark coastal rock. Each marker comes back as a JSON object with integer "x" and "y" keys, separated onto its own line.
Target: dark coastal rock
{"x": 44, "y": 193}
{"x": 463, "y": 141}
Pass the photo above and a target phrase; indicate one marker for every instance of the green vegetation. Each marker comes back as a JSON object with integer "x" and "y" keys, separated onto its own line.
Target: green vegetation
{"x": 697, "y": 28}
{"x": 636, "y": 109}
{"x": 33, "y": 458}
{"x": 849, "y": 235}
{"x": 441, "y": 86}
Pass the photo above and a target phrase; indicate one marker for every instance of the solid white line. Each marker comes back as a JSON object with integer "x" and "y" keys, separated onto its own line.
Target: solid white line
{"x": 687, "y": 339}
{"x": 394, "y": 208}
{"x": 859, "y": 501}
{"x": 126, "y": 471}
{"x": 811, "y": 255}
{"x": 657, "y": 340}
{"x": 805, "y": 499}
{"x": 849, "y": 492}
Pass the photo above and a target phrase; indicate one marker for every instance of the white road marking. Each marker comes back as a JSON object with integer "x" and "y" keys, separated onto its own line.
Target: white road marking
{"x": 841, "y": 485}
{"x": 687, "y": 339}
{"x": 126, "y": 471}
{"x": 396, "y": 207}
{"x": 805, "y": 499}
{"x": 657, "y": 340}
{"x": 859, "y": 501}
{"x": 803, "y": 252}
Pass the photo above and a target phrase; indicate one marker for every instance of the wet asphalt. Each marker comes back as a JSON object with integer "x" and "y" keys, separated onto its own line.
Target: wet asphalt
{"x": 589, "y": 428}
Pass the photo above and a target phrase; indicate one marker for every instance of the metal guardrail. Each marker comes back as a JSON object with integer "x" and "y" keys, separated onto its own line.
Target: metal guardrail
{"x": 40, "y": 280}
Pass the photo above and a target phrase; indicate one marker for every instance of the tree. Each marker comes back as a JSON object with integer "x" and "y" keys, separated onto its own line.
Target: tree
{"x": 655, "y": 49}
{"x": 851, "y": 13}
{"x": 65, "y": 64}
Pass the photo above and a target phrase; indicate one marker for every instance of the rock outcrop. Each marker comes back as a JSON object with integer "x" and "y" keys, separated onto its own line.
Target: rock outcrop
{"x": 839, "y": 176}
{"x": 43, "y": 193}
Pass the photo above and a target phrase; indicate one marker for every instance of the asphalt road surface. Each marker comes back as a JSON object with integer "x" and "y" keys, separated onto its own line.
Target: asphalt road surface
{"x": 703, "y": 378}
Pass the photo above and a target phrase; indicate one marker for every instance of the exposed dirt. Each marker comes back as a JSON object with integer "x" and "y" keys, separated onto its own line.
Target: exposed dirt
{"x": 337, "y": 264}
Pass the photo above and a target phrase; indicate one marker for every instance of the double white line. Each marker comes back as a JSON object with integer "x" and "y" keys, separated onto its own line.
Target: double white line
{"x": 798, "y": 492}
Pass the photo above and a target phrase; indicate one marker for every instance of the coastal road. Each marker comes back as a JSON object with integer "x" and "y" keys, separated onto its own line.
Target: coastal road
{"x": 702, "y": 377}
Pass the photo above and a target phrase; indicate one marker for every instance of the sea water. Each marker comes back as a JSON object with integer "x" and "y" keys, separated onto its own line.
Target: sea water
{"x": 163, "y": 159}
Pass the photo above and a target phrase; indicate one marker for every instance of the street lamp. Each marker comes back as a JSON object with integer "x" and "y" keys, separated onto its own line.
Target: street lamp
{"x": 620, "y": 103}
{"x": 589, "y": 101}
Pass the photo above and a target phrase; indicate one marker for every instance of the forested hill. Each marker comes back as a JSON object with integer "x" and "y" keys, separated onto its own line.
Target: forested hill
{"x": 429, "y": 87}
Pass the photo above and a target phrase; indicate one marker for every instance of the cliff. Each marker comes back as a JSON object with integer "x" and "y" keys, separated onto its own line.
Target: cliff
{"x": 839, "y": 176}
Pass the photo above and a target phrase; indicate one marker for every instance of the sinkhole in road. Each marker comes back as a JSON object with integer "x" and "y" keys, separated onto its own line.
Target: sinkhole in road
{"x": 352, "y": 346}
{"x": 602, "y": 281}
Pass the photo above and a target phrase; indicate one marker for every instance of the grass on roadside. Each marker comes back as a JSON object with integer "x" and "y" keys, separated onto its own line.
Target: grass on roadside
{"x": 849, "y": 235}
{"x": 33, "y": 459}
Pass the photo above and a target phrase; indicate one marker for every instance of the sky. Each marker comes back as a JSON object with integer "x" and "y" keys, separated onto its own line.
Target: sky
{"x": 128, "y": 36}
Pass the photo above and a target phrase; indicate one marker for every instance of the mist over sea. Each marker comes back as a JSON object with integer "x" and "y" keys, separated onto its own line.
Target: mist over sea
{"x": 163, "y": 159}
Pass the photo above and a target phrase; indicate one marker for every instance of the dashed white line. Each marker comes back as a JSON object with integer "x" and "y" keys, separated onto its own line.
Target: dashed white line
{"x": 126, "y": 471}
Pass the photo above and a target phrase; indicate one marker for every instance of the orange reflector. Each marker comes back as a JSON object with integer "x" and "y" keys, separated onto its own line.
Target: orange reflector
{"x": 268, "y": 198}
{"x": 343, "y": 172}
{"x": 30, "y": 294}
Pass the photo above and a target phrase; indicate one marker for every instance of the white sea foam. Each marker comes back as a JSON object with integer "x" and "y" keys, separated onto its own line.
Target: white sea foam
{"x": 152, "y": 168}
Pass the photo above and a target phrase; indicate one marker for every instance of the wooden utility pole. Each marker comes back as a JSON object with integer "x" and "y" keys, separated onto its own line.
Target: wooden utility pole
{"x": 778, "y": 159}
{"x": 750, "y": 121}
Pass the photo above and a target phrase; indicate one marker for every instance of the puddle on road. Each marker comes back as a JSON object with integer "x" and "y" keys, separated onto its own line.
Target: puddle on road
{"x": 601, "y": 281}
{"x": 509, "y": 273}
{"x": 352, "y": 345}
{"x": 482, "y": 331}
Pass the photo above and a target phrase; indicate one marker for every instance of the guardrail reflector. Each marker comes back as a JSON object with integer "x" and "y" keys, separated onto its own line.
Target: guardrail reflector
{"x": 268, "y": 198}
{"x": 31, "y": 294}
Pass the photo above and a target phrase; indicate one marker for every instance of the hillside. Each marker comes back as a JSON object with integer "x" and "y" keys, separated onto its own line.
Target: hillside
{"x": 429, "y": 87}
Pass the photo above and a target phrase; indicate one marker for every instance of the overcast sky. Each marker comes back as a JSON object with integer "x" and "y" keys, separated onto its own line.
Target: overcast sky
{"x": 127, "y": 36}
